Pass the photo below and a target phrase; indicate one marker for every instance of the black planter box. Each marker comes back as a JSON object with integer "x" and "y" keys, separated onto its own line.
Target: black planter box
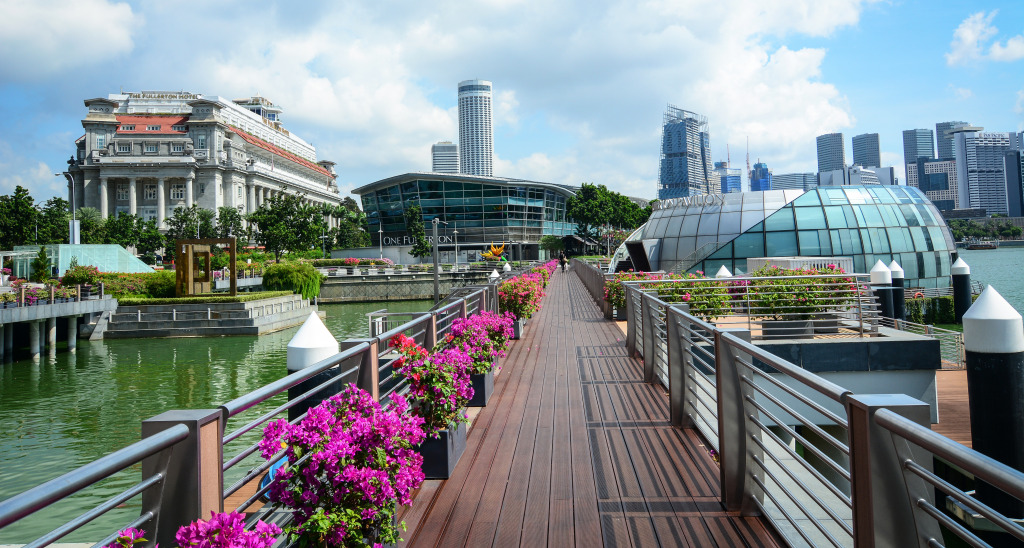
{"x": 483, "y": 386}
{"x": 442, "y": 454}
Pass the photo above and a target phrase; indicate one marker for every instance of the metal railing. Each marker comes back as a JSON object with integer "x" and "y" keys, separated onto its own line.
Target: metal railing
{"x": 951, "y": 343}
{"x": 825, "y": 466}
{"x": 209, "y": 466}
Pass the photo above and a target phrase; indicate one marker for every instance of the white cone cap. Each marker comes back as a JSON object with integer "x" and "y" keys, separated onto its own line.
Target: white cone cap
{"x": 960, "y": 268}
{"x": 880, "y": 274}
{"x": 896, "y": 270}
{"x": 507, "y": 267}
{"x": 494, "y": 274}
{"x": 992, "y": 326}
{"x": 723, "y": 273}
{"x": 312, "y": 343}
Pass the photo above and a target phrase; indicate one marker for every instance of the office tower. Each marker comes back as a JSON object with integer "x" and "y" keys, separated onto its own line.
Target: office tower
{"x": 760, "y": 178}
{"x": 945, "y": 142}
{"x": 918, "y": 143}
{"x": 831, "y": 152}
{"x": 1013, "y": 167}
{"x": 476, "y": 139}
{"x": 866, "y": 150}
{"x": 729, "y": 180}
{"x": 937, "y": 179}
{"x": 981, "y": 175}
{"x": 799, "y": 181}
{"x": 685, "y": 155}
{"x": 444, "y": 157}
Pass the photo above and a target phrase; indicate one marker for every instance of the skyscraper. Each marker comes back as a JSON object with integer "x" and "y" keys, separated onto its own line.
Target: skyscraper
{"x": 444, "y": 157}
{"x": 729, "y": 179}
{"x": 918, "y": 143}
{"x": 476, "y": 139}
{"x": 980, "y": 168}
{"x": 866, "y": 150}
{"x": 760, "y": 177}
{"x": 831, "y": 152}
{"x": 945, "y": 142}
{"x": 685, "y": 155}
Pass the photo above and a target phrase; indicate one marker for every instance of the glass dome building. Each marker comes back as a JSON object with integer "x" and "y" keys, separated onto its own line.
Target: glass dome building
{"x": 866, "y": 223}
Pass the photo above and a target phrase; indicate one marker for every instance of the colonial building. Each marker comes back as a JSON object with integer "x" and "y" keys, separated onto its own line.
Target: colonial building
{"x": 150, "y": 152}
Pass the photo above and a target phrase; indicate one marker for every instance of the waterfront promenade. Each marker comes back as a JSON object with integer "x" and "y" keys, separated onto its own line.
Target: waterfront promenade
{"x": 574, "y": 449}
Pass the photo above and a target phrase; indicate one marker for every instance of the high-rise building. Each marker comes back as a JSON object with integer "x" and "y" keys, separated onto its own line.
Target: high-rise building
{"x": 937, "y": 179}
{"x": 980, "y": 169}
{"x": 444, "y": 157}
{"x": 685, "y": 155}
{"x": 800, "y": 181}
{"x": 760, "y": 178}
{"x": 831, "y": 152}
{"x": 476, "y": 138}
{"x": 867, "y": 152}
{"x": 729, "y": 179}
{"x": 918, "y": 143}
{"x": 945, "y": 142}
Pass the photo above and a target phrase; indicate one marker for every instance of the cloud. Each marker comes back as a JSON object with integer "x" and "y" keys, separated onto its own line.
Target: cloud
{"x": 961, "y": 93}
{"x": 39, "y": 39}
{"x": 972, "y": 36}
{"x": 36, "y": 176}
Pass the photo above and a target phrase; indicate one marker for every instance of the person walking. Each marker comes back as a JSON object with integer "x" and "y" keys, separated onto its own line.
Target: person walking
{"x": 562, "y": 259}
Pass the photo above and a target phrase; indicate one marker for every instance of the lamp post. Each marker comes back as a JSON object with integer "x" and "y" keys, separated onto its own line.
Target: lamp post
{"x": 74, "y": 234}
{"x": 455, "y": 236}
{"x": 323, "y": 241}
{"x": 437, "y": 275}
{"x": 380, "y": 240}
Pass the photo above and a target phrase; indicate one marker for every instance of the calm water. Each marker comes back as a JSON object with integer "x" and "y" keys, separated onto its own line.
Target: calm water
{"x": 1002, "y": 269}
{"x": 69, "y": 409}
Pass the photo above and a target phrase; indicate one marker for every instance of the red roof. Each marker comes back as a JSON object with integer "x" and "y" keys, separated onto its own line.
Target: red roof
{"x": 280, "y": 152}
{"x": 142, "y": 123}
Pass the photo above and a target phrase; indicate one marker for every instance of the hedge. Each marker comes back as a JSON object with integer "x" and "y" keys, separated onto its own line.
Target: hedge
{"x": 240, "y": 298}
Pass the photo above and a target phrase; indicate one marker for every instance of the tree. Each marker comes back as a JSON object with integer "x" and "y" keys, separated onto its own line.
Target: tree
{"x": 40, "y": 266}
{"x": 182, "y": 225}
{"x": 229, "y": 223}
{"x": 17, "y": 219}
{"x": 123, "y": 230}
{"x": 92, "y": 226}
{"x": 590, "y": 208}
{"x": 53, "y": 221}
{"x": 414, "y": 224}
{"x": 284, "y": 223}
{"x": 150, "y": 240}
{"x": 551, "y": 243}
{"x": 205, "y": 221}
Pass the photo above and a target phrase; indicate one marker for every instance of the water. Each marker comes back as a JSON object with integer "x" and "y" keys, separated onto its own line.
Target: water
{"x": 69, "y": 409}
{"x": 1001, "y": 268}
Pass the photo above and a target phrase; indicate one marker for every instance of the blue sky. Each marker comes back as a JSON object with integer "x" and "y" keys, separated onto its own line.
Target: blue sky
{"x": 580, "y": 87}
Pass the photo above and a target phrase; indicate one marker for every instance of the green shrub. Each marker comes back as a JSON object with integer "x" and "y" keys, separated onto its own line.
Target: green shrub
{"x": 76, "y": 274}
{"x": 160, "y": 284}
{"x": 240, "y": 298}
{"x": 297, "y": 278}
{"x": 930, "y": 310}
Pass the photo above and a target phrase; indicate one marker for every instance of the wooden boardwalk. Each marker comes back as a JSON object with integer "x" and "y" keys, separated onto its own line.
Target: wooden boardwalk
{"x": 575, "y": 450}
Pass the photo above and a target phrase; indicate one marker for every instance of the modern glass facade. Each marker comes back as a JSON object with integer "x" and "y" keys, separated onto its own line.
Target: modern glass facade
{"x": 482, "y": 209}
{"x": 685, "y": 168}
{"x": 866, "y": 223}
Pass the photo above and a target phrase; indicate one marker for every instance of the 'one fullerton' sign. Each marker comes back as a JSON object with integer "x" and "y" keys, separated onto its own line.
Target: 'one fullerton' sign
{"x": 702, "y": 200}
{"x": 407, "y": 240}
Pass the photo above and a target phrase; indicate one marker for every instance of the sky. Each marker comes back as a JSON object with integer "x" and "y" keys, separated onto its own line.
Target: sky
{"x": 580, "y": 87}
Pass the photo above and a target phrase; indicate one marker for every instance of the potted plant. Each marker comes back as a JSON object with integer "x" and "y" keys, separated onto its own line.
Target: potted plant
{"x": 485, "y": 338}
{"x": 222, "y": 530}
{"x": 350, "y": 463}
{"x": 8, "y": 300}
{"x": 439, "y": 388}
{"x": 615, "y": 292}
{"x": 521, "y": 296}
{"x": 708, "y": 297}
{"x": 786, "y": 300}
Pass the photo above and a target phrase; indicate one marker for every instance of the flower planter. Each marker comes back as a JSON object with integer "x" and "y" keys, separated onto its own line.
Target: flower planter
{"x": 517, "y": 329}
{"x": 826, "y": 323}
{"x": 787, "y": 329}
{"x": 440, "y": 455}
{"x": 483, "y": 386}
{"x": 620, "y": 314}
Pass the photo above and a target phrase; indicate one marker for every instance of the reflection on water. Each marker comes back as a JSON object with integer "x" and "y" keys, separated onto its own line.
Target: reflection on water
{"x": 68, "y": 409}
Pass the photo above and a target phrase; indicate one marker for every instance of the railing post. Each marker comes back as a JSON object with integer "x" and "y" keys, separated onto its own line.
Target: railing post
{"x": 647, "y": 310}
{"x": 884, "y": 512}
{"x": 630, "y": 324}
{"x": 430, "y": 337}
{"x": 368, "y": 377}
{"x": 678, "y": 361}
{"x": 193, "y": 479}
{"x": 734, "y": 425}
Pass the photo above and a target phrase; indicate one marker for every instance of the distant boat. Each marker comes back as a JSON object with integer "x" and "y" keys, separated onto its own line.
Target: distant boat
{"x": 983, "y": 244}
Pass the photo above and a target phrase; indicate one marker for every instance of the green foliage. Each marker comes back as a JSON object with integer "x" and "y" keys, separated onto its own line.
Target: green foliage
{"x": 53, "y": 221}
{"x": 160, "y": 284}
{"x": 551, "y": 243}
{"x": 414, "y": 224}
{"x": 240, "y": 298}
{"x": 972, "y": 229}
{"x": 708, "y": 298}
{"x": 123, "y": 229}
{"x": 150, "y": 240}
{"x": 284, "y": 223}
{"x": 92, "y": 226}
{"x": 229, "y": 224}
{"x": 17, "y": 219}
{"x": 595, "y": 206}
{"x": 40, "y": 266}
{"x": 80, "y": 274}
{"x": 930, "y": 310}
{"x": 615, "y": 293}
{"x": 296, "y": 277}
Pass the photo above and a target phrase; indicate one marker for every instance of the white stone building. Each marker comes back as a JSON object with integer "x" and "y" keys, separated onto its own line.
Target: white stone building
{"x": 147, "y": 153}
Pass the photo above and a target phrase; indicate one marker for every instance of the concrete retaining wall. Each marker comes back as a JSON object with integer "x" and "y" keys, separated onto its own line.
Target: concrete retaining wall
{"x": 394, "y": 287}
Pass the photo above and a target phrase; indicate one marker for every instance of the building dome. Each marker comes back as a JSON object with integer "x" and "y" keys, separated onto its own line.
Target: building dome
{"x": 866, "y": 223}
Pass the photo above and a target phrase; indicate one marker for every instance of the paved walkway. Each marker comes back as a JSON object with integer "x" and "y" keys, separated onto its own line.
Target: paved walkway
{"x": 575, "y": 450}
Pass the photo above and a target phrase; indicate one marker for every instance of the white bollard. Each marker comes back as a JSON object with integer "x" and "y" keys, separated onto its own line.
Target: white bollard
{"x": 723, "y": 272}
{"x": 312, "y": 343}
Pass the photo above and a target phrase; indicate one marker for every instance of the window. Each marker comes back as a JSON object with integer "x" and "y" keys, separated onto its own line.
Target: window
{"x": 239, "y": 192}
{"x": 128, "y": 128}
{"x": 202, "y": 188}
{"x": 178, "y": 192}
{"x": 200, "y": 141}
{"x": 177, "y": 147}
{"x": 178, "y": 128}
{"x": 100, "y": 141}
{"x": 151, "y": 148}
{"x": 150, "y": 192}
{"x": 152, "y": 128}
{"x": 148, "y": 213}
{"x": 124, "y": 147}
{"x": 122, "y": 192}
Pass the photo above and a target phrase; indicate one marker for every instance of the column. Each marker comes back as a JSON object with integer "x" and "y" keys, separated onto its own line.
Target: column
{"x": 72, "y": 333}
{"x": 33, "y": 340}
{"x": 189, "y": 198}
{"x": 161, "y": 202}
{"x": 250, "y": 205}
{"x": 133, "y": 199}
{"x": 51, "y": 332}
{"x": 9, "y": 339}
{"x": 104, "y": 209}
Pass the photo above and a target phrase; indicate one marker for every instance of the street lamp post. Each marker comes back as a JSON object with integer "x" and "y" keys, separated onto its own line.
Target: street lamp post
{"x": 455, "y": 236}
{"x": 323, "y": 241}
{"x": 380, "y": 239}
{"x": 437, "y": 275}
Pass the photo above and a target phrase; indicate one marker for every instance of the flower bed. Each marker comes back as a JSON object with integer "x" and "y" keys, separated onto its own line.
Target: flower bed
{"x": 521, "y": 295}
{"x": 615, "y": 293}
{"x": 439, "y": 385}
{"x": 484, "y": 337}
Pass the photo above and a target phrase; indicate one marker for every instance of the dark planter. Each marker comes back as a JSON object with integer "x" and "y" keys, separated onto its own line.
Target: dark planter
{"x": 826, "y": 323}
{"x": 620, "y": 314}
{"x": 517, "y": 329}
{"x": 442, "y": 454}
{"x": 787, "y": 329}
{"x": 483, "y": 386}
{"x": 86, "y": 292}
{"x": 43, "y": 301}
